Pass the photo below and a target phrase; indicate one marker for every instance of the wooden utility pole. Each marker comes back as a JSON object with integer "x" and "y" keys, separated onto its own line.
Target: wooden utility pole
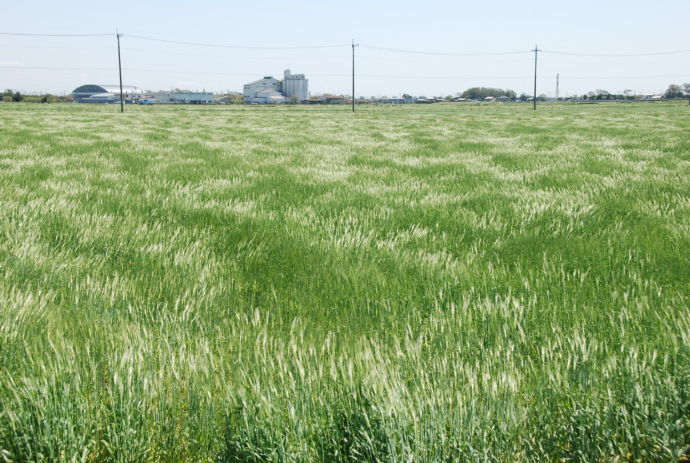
{"x": 557, "y": 85}
{"x": 353, "y": 74}
{"x": 119, "y": 66}
{"x": 534, "y": 100}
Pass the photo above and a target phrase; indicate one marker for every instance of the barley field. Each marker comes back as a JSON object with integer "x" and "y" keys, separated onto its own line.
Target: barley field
{"x": 404, "y": 284}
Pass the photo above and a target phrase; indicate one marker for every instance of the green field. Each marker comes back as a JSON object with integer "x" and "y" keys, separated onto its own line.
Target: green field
{"x": 406, "y": 284}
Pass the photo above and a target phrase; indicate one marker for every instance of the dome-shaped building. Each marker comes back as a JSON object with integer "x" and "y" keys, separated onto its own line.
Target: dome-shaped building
{"x": 91, "y": 93}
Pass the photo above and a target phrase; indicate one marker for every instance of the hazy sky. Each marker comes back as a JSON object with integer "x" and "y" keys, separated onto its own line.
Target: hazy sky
{"x": 586, "y": 26}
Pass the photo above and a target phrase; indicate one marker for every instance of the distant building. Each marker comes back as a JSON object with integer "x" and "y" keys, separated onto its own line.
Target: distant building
{"x": 252, "y": 89}
{"x": 325, "y": 99}
{"x": 270, "y": 90}
{"x": 295, "y": 85}
{"x": 269, "y": 96}
{"x": 92, "y": 93}
{"x": 174, "y": 97}
{"x": 394, "y": 100}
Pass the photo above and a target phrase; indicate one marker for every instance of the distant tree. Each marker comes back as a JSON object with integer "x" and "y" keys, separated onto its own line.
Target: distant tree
{"x": 17, "y": 97}
{"x": 541, "y": 97}
{"x": 479, "y": 93}
{"x": 600, "y": 94}
{"x": 5, "y": 96}
{"x": 523, "y": 96}
{"x": 294, "y": 99}
{"x": 673, "y": 91}
{"x": 511, "y": 94}
{"x": 407, "y": 96}
{"x": 686, "y": 88}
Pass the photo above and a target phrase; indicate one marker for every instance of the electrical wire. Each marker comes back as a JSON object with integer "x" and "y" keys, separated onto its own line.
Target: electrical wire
{"x": 180, "y": 42}
{"x": 373, "y": 47}
{"x": 418, "y": 52}
{"x": 341, "y": 46}
{"x": 628, "y": 77}
{"x": 617, "y": 55}
{"x": 48, "y": 68}
{"x": 26, "y": 34}
{"x": 241, "y": 47}
{"x": 373, "y": 76}
{"x": 166, "y": 71}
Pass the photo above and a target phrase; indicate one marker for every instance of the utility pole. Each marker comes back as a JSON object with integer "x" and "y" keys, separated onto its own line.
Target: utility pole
{"x": 534, "y": 100}
{"x": 119, "y": 66}
{"x": 557, "y": 82}
{"x": 353, "y": 74}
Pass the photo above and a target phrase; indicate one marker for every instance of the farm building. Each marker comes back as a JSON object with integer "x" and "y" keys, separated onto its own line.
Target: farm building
{"x": 325, "y": 99}
{"x": 394, "y": 100}
{"x": 269, "y": 96}
{"x": 252, "y": 90}
{"x": 295, "y": 85}
{"x": 174, "y": 97}
{"x": 91, "y": 93}
{"x": 270, "y": 90}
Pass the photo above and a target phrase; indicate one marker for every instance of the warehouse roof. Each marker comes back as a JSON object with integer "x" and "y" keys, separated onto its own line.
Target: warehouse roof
{"x": 92, "y": 89}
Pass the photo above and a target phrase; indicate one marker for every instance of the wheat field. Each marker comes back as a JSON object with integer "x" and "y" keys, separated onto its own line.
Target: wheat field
{"x": 439, "y": 283}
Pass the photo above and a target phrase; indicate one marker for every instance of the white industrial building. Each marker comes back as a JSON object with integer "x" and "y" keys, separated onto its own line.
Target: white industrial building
{"x": 269, "y": 90}
{"x": 295, "y": 85}
{"x": 174, "y": 97}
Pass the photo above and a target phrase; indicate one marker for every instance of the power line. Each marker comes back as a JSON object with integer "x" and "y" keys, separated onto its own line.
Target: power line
{"x": 667, "y": 76}
{"x": 617, "y": 55}
{"x": 242, "y": 47}
{"x": 64, "y": 47}
{"x": 412, "y": 77}
{"x": 27, "y": 34}
{"x": 181, "y": 42}
{"x": 332, "y": 46}
{"x": 166, "y": 71}
{"x": 373, "y": 47}
{"x": 49, "y": 68}
{"x": 435, "y": 53}
{"x": 373, "y": 76}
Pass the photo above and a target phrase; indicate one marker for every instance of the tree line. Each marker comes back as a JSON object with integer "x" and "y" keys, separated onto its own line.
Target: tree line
{"x": 674, "y": 91}
{"x": 11, "y": 96}
{"x": 678, "y": 91}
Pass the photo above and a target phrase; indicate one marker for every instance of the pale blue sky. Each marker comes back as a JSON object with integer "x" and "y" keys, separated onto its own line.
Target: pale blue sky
{"x": 441, "y": 26}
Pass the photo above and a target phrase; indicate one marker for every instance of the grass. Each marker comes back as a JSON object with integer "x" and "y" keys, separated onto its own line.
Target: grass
{"x": 406, "y": 284}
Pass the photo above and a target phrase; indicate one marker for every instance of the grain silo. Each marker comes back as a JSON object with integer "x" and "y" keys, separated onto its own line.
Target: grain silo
{"x": 295, "y": 85}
